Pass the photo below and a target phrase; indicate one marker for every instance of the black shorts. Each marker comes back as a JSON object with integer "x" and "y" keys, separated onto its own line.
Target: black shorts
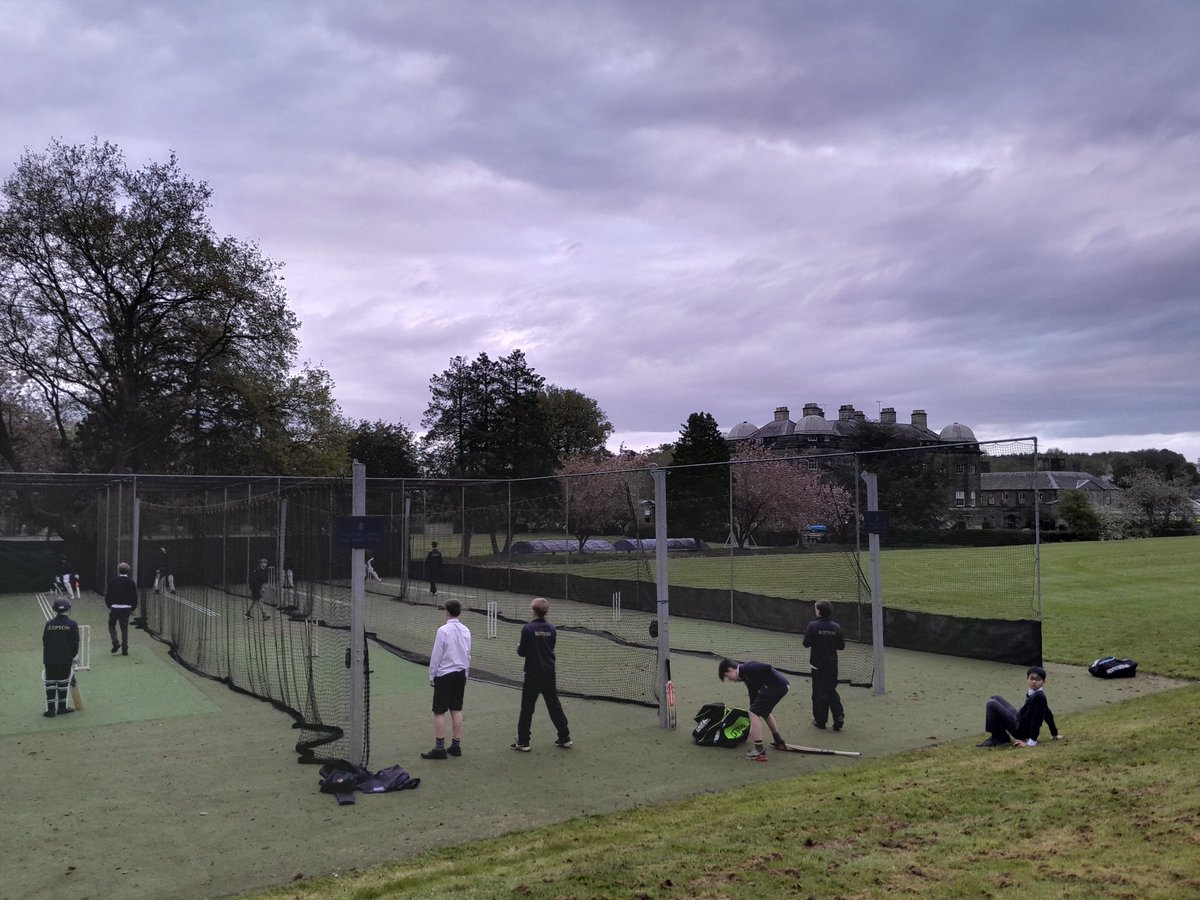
{"x": 58, "y": 671}
{"x": 765, "y": 700}
{"x": 448, "y": 692}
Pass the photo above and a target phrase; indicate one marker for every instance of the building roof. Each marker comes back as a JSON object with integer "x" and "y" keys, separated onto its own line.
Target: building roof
{"x": 741, "y": 430}
{"x": 956, "y": 433}
{"x": 1045, "y": 481}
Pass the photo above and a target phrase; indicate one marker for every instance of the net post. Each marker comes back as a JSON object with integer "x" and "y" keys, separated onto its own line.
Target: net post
{"x": 358, "y": 624}
{"x": 664, "y": 607}
{"x": 872, "y": 483}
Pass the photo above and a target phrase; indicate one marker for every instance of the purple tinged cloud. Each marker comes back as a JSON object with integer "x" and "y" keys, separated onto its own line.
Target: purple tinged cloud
{"x": 988, "y": 212}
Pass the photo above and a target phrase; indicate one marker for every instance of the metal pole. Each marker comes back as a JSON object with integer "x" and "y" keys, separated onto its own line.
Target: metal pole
{"x": 664, "y": 605}
{"x": 358, "y": 666}
{"x": 876, "y": 588}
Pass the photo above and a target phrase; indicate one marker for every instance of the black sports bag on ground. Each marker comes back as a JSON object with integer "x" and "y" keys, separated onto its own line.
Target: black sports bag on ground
{"x": 1113, "y": 667}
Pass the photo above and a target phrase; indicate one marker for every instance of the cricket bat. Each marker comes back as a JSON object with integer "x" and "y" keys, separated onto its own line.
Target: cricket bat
{"x": 796, "y": 748}
{"x": 670, "y": 698}
{"x": 76, "y": 697}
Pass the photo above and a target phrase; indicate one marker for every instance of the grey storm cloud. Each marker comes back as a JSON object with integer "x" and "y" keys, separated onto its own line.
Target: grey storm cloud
{"x": 989, "y": 211}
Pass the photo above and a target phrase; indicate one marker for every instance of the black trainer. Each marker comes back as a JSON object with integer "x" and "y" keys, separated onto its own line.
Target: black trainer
{"x": 435, "y": 753}
{"x": 454, "y": 750}
{"x": 837, "y": 725}
{"x": 566, "y": 745}
{"x": 991, "y": 742}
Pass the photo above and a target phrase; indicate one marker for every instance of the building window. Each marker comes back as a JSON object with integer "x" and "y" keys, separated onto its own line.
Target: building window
{"x": 971, "y": 469}
{"x": 1004, "y": 497}
{"x": 1020, "y": 497}
{"x": 991, "y": 500}
{"x": 972, "y": 498}
{"x": 959, "y": 469}
{"x": 812, "y": 438}
{"x": 960, "y": 499}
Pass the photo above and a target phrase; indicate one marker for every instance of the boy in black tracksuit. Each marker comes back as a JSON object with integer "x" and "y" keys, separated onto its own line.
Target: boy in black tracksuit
{"x": 1006, "y": 724}
{"x": 121, "y": 598}
{"x": 537, "y": 647}
{"x": 824, "y": 637}
{"x": 433, "y": 567}
{"x": 60, "y": 646}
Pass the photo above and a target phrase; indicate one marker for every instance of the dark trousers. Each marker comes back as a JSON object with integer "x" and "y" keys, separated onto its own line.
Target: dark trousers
{"x": 533, "y": 688}
{"x": 1000, "y": 719}
{"x": 825, "y": 699}
{"x": 120, "y": 616}
{"x": 432, "y": 586}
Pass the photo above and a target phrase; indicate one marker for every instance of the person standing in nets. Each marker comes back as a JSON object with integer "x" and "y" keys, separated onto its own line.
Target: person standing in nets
{"x": 60, "y": 646}
{"x": 449, "y": 666}
{"x": 766, "y": 688}
{"x": 538, "y": 639}
{"x": 164, "y": 578}
{"x": 121, "y": 598}
{"x": 258, "y": 581}
{"x": 1006, "y": 724}
{"x": 824, "y": 638}
{"x": 433, "y": 567}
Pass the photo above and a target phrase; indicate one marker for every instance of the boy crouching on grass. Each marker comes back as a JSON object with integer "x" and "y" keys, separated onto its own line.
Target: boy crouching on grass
{"x": 1005, "y": 723}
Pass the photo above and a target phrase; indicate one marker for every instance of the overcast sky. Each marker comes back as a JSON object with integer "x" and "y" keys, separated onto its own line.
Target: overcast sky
{"x": 989, "y": 211}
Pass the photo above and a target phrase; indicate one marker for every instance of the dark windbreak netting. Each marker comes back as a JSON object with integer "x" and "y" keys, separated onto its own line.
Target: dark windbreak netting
{"x": 959, "y": 558}
{"x": 198, "y": 555}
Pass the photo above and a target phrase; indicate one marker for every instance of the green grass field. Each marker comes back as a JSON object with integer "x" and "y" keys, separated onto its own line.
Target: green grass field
{"x": 1113, "y": 810}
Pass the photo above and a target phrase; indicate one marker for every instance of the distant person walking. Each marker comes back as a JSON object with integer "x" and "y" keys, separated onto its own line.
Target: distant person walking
{"x": 257, "y": 581}
{"x": 121, "y": 597}
{"x": 449, "y": 666}
{"x": 538, "y": 639}
{"x": 824, "y": 638}
{"x": 433, "y": 567}
{"x": 60, "y": 646}
{"x": 164, "y": 578}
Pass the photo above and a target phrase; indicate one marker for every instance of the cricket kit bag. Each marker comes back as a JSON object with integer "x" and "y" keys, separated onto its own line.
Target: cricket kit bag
{"x": 718, "y": 725}
{"x": 1113, "y": 667}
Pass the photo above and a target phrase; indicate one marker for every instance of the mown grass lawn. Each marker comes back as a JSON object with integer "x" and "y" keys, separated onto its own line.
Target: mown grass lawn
{"x": 1113, "y": 810}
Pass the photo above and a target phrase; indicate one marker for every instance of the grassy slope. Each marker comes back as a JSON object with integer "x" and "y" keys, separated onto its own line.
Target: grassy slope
{"x": 1110, "y": 811}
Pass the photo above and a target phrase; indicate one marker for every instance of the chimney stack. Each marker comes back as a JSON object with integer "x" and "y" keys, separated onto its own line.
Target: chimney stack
{"x": 919, "y": 419}
{"x": 845, "y": 412}
{"x": 781, "y": 413}
{"x": 887, "y": 415}
{"x": 812, "y": 409}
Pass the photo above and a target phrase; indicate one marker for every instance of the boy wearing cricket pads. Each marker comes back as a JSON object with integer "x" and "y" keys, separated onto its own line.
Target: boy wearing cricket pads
{"x": 60, "y": 646}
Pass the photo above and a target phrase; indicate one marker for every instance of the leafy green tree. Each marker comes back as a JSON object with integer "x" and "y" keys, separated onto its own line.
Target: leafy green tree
{"x": 698, "y": 482}
{"x": 387, "y": 450}
{"x": 154, "y": 344}
{"x": 577, "y": 425}
{"x": 485, "y": 420}
{"x": 1166, "y": 464}
{"x": 1077, "y": 511}
{"x": 912, "y": 485}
